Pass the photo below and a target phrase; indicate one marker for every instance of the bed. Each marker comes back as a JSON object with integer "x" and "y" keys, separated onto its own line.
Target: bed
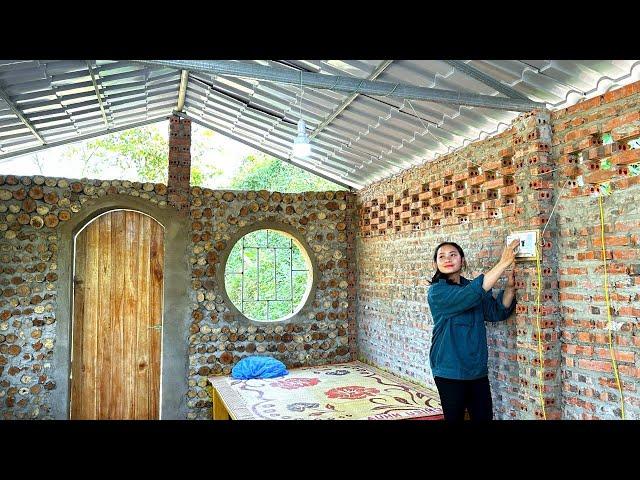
{"x": 344, "y": 391}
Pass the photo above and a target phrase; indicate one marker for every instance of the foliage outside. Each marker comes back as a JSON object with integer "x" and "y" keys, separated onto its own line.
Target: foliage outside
{"x": 263, "y": 172}
{"x": 141, "y": 154}
{"x": 266, "y": 275}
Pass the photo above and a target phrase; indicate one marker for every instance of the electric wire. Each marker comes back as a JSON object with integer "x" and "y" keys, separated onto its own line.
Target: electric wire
{"x": 538, "y": 308}
{"x": 539, "y": 305}
{"x": 606, "y": 295}
{"x": 607, "y": 300}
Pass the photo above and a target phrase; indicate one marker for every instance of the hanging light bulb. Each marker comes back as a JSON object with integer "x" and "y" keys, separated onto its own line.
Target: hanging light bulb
{"x": 301, "y": 145}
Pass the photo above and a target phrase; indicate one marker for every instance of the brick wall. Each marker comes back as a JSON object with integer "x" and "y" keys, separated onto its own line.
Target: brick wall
{"x": 477, "y": 195}
{"x": 179, "y": 175}
{"x": 588, "y": 381}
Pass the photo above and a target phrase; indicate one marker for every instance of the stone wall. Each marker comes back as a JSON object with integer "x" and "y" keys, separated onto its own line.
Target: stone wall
{"x": 32, "y": 212}
{"x": 322, "y": 333}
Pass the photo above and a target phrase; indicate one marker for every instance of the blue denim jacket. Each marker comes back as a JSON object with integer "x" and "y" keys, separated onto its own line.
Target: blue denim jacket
{"x": 459, "y": 342}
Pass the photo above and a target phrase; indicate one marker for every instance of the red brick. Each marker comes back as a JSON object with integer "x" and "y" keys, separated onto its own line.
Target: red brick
{"x": 611, "y": 241}
{"x": 491, "y": 166}
{"x": 583, "y": 132}
{"x": 629, "y": 312}
{"x": 618, "y": 355}
{"x": 625, "y": 182}
{"x": 626, "y": 157}
{"x": 599, "y": 176}
{"x": 493, "y": 184}
{"x": 595, "y": 365}
{"x": 621, "y": 120}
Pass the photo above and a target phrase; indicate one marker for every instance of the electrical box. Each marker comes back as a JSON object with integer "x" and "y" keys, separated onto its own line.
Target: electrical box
{"x": 528, "y": 241}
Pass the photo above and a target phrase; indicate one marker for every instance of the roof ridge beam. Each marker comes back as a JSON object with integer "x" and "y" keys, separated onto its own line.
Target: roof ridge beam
{"x": 348, "y": 84}
{"x": 486, "y": 79}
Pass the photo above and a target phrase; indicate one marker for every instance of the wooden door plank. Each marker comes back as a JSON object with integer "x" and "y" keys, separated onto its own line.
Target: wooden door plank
{"x": 156, "y": 279}
{"x": 131, "y": 309}
{"x": 120, "y": 258}
{"x": 142, "y": 338}
{"x": 90, "y": 352}
{"x": 104, "y": 318}
{"x": 118, "y": 234}
{"x": 76, "y": 339}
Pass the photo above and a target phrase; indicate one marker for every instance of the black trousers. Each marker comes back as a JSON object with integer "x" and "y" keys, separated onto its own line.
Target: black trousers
{"x": 458, "y": 395}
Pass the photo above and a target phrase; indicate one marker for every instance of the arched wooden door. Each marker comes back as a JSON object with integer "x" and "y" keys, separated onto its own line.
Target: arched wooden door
{"x": 116, "y": 343}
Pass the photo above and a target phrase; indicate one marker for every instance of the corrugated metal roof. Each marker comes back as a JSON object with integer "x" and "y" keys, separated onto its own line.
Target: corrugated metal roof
{"x": 373, "y": 137}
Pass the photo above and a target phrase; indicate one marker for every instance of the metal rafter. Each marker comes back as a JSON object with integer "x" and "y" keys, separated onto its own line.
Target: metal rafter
{"x": 16, "y": 111}
{"x": 486, "y": 79}
{"x": 381, "y": 68}
{"x": 348, "y": 84}
{"x": 95, "y": 86}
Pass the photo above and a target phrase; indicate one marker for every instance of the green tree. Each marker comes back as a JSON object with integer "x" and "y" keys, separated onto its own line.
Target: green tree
{"x": 145, "y": 151}
{"x": 263, "y": 172}
{"x": 266, "y": 275}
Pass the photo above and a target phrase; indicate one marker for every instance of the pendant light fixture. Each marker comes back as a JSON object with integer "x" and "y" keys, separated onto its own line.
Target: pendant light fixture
{"x": 301, "y": 144}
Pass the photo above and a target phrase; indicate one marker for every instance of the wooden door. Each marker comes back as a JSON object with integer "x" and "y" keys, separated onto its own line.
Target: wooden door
{"x": 116, "y": 340}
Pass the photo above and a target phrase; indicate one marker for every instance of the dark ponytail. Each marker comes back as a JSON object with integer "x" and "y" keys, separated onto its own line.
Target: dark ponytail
{"x": 438, "y": 275}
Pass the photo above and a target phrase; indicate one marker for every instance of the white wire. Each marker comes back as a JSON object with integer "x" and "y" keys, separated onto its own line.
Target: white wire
{"x": 301, "y": 93}
{"x": 393, "y": 90}
{"x": 554, "y": 207}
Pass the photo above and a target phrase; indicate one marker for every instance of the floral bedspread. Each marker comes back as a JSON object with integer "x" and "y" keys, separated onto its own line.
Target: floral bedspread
{"x": 346, "y": 391}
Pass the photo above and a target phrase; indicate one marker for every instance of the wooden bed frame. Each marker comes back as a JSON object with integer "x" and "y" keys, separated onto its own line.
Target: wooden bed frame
{"x": 424, "y": 400}
{"x": 219, "y": 409}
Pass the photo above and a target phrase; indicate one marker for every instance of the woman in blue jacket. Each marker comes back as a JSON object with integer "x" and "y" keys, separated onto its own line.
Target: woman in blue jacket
{"x": 459, "y": 308}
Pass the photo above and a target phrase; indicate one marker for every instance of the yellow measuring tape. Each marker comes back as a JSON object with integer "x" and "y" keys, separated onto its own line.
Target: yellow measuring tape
{"x": 606, "y": 296}
{"x": 541, "y": 371}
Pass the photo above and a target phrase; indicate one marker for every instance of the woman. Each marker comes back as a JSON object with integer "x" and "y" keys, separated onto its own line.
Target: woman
{"x": 459, "y": 308}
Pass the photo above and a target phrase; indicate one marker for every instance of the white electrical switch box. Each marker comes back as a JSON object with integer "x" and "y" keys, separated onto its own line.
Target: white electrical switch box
{"x": 528, "y": 241}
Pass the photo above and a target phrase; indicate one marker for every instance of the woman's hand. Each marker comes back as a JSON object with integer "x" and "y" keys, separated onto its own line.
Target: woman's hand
{"x": 511, "y": 279}
{"x": 509, "y": 252}
{"x": 507, "y": 258}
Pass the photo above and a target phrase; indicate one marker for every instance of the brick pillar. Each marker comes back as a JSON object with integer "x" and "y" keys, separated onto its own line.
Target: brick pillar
{"x": 534, "y": 202}
{"x": 352, "y": 225}
{"x": 179, "y": 162}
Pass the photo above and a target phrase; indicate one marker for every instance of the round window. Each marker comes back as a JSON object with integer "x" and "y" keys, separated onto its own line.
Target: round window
{"x": 268, "y": 275}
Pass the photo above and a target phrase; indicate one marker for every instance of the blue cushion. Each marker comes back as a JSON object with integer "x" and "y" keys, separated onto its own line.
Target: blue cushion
{"x": 258, "y": 367}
